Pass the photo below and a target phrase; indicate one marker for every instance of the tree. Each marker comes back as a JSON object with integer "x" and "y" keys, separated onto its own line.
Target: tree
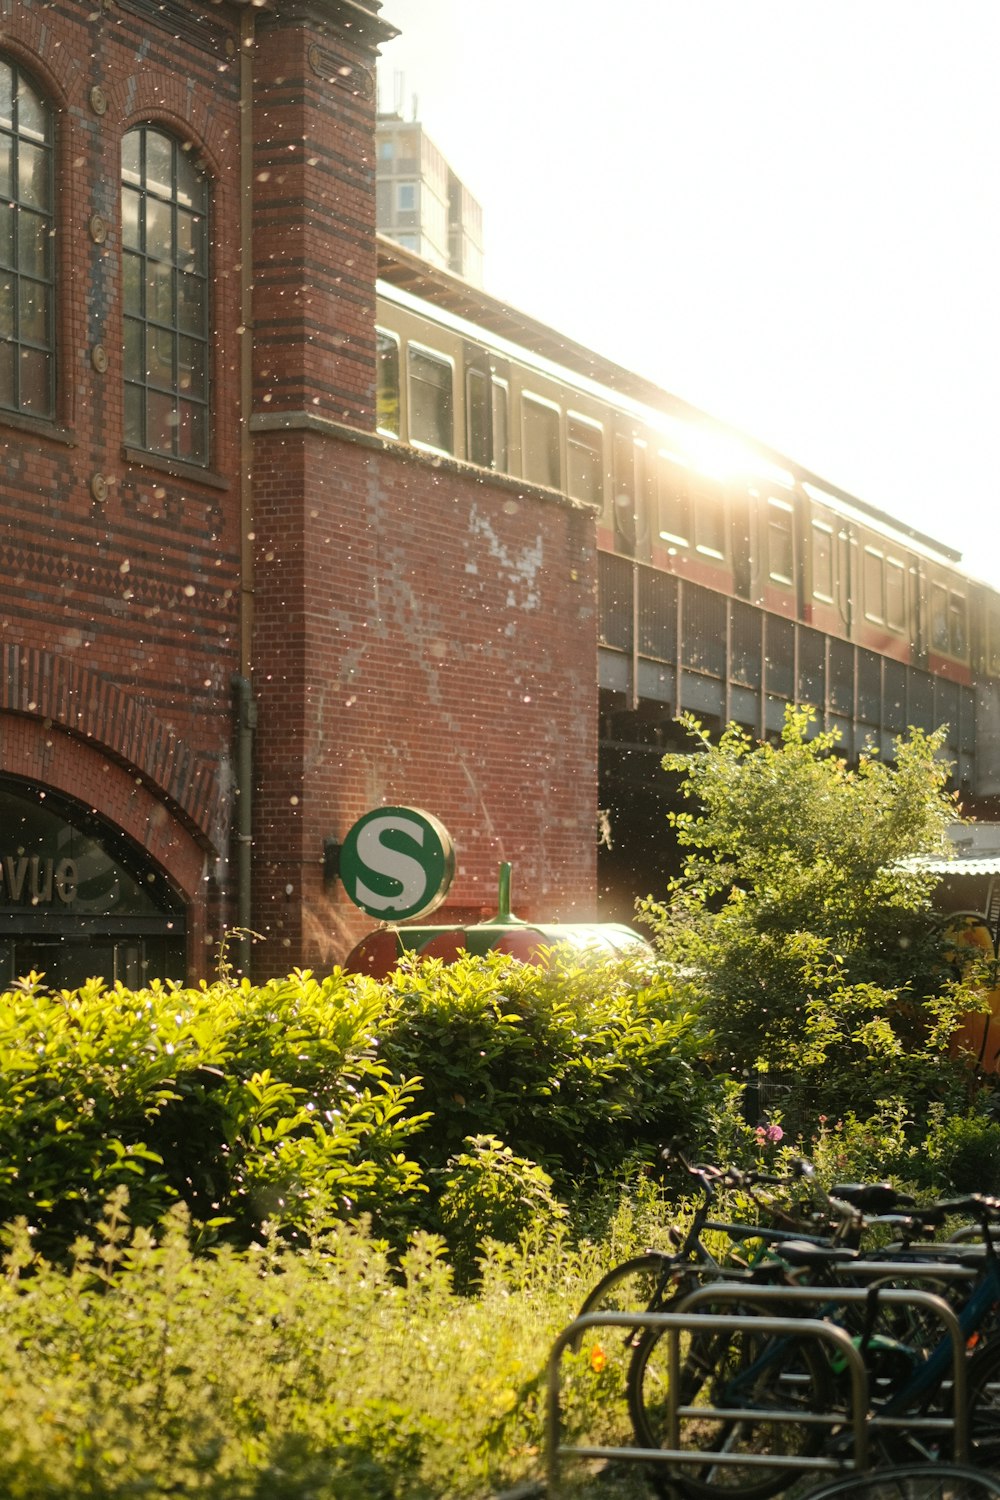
{"x": 804, "y": 919}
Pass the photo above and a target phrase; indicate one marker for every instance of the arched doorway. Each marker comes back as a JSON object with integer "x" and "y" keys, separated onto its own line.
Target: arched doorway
{"x": 78, "y": 899}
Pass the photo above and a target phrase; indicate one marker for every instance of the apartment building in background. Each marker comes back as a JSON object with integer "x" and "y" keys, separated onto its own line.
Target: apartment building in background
{"x": 422, "y": 205}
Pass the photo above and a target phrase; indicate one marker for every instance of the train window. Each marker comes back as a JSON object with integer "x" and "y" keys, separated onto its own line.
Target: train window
{"x": 994, "y": 640}
{"x": 957, "y": 634}
{"x": 632, "y": 496}
{"x": 949, "y": 627}
{"x": 948, "y": 621}
{"x": 674, "y": 500}
{"x": 478, "y": 419}
{"x": 540, "y": 441}
{"x": 624, "y": 501}
{"x": 885, "y": 589}
{"x": 501, "y": 460}
{"x": 940, "y": 635}
{"x": 431, "y": 418}
{"x": 895, "y": 594}
{"x": 874, "y": 582}
{"x": 822, "y": 561}
{"x": 645, "y": 499}
{"x": 780, "y": 541}
{"x": 707, "y": 503}
{"x": 584, "y": 460}
{"x": 387, "y": 383}
{"x": 485, "y": 424}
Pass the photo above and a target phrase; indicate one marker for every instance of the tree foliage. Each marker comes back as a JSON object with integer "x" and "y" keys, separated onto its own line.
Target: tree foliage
{"x": 803, "y": 917}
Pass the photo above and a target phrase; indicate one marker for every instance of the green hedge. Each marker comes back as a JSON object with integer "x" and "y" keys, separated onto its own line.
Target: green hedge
{"x": 307, "y": 1099}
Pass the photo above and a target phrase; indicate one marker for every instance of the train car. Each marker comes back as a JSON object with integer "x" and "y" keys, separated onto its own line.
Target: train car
{"x": 733, "y": 580}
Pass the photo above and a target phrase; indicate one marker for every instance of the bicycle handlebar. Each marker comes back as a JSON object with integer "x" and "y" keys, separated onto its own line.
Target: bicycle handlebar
{"x": 855, "y": 1205}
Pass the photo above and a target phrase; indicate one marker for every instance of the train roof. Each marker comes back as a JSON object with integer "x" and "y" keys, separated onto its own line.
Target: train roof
{"x": 410, "y": 274}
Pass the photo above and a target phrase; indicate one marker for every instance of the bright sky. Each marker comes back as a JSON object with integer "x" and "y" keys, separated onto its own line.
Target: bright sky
{"x": 785, "y": 211}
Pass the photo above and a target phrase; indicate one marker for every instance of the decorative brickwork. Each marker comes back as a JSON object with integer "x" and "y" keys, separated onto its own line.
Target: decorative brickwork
{"x": 90, "y": 707}
{"x": 38, "y": 752}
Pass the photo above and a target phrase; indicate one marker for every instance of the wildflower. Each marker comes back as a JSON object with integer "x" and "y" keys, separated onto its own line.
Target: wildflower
{"x": 598, "y": 1359}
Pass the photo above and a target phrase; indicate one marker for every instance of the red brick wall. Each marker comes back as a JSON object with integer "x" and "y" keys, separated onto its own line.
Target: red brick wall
{"x": 422, "y": 634}
{"x": 314, "y": 225}
{"x": 428, "y": 639}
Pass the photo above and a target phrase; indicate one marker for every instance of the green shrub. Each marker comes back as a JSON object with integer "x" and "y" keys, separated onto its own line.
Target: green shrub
{"x": 962, "y": 1153}
{"x": 574, "y": 1066}
{"x": 491, "y": 1194}
{"x": 246, "y": 1104}
{"x": 309, "y": 1373}
{"x": 306, "y": 1098}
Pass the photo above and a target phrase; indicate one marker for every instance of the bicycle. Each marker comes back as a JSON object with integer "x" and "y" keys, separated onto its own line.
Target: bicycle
{"x": 930, "y": 1481}
{"x": 753, "y": 1372}
{"x": 652, "y": 1281}
{"x": 658, "y": 1280}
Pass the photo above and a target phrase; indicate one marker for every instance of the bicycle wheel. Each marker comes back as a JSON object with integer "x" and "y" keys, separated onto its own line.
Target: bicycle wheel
{"x": 984, "y": 1408}
{"x": 637, "y": 1285}
{"x": 743, "y": 1369}
{"x": 928, "y": 1481}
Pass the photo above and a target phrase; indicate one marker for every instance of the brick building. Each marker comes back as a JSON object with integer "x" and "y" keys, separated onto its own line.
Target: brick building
{"x": 235, "y": 618}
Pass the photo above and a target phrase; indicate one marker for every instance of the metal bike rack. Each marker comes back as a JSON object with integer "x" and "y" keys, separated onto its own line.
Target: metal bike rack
{"x": 686, "y": 1318}
{"x": 674, "y": 1324}
{"x": 957, "y": 1423}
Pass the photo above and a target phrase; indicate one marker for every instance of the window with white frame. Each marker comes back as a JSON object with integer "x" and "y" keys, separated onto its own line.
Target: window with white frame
{"x": 387, "y": 416}
{"x": 780, "y": 541}
{"x": 27, "y": 230}
{"x": 165, "y": 295}
{"x": 584, "y": 459}
{"x": 540, "y": 441}
{"x": 431, "y": 401}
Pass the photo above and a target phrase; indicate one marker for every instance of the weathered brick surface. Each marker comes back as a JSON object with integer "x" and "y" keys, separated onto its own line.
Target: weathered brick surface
{"x": 424, "y": 639}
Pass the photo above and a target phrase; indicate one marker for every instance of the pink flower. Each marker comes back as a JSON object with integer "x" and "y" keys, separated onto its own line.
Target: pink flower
{"x": 774, "y": 1133}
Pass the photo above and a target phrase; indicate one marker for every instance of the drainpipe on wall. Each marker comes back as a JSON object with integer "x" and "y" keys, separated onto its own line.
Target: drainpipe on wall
{"x": 246, "y": 709}
{"x": 246, "y": 723}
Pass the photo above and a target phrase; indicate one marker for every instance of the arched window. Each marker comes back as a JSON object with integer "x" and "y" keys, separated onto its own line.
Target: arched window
{"x": 165, "y": 291}
{"x": 26, "y": 246}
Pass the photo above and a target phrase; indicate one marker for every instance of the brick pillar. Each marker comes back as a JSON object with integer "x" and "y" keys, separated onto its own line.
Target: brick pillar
{"x": 314, "y": 270}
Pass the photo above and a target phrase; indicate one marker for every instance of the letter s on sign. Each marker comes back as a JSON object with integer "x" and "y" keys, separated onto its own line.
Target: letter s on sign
{"x": 397, "y": 863}
{"x": 406, "y": 871}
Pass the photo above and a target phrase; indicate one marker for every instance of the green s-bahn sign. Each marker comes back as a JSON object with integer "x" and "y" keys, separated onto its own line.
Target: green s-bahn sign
{"x": 397, "y": 863}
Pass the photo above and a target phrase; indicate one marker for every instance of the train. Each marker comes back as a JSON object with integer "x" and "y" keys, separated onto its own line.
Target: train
{"x": 687, "y": 502}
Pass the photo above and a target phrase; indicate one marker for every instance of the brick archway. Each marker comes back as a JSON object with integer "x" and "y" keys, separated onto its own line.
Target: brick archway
{"x": 45, "y": 690}
{"x": 50, "y": 759}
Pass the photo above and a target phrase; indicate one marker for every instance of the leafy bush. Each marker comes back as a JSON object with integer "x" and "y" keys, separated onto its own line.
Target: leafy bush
{"x": 306, "y": 1099}
{"x": 803, "y": 919}
{"x": 962, "y": 1153}
{"x": 491, "y": 1194}
{"x": 574, "y": 1066}
{"x": 246, "y": 1104}
{"x": 311, "y": 1373}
